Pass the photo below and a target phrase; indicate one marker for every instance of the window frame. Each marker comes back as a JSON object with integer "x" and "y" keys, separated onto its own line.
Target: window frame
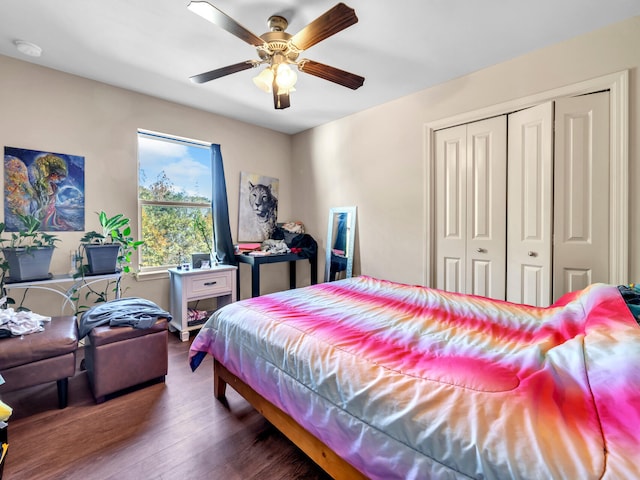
{"x": 142, "y": 203}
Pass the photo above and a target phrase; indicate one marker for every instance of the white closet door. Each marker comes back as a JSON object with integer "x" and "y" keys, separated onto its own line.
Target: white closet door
{"x": 451, "y": 198}
{"x": 486, "y": 207}
{"x": 581, "y": 203}
{"x": 470, "y": 208}
{"x": 530, "y": 204}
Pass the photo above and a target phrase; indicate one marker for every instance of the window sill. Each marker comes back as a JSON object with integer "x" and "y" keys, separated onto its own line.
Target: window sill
{"x": 152, "y": 275}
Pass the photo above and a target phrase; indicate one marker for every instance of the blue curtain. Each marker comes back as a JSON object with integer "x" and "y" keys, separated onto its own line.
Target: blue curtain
{"x": 220, "y": 210}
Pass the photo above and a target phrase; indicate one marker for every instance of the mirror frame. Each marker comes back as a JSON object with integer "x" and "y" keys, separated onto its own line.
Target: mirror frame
{"x": 350, "y": 243}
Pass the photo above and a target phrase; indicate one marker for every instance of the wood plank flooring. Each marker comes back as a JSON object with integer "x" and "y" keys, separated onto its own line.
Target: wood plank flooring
{"x": 175, "y": 430}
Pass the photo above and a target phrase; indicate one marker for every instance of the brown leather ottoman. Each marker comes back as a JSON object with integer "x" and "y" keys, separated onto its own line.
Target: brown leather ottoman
{"x": 41, "y": 357}
{"x": 121, "y": 357}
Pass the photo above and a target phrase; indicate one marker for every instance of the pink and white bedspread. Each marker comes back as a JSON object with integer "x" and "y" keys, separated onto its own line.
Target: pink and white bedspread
{"x": 410, "y": 382}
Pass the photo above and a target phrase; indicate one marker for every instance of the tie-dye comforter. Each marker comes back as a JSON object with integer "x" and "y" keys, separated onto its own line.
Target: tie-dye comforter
{"x": 409, "y": 382}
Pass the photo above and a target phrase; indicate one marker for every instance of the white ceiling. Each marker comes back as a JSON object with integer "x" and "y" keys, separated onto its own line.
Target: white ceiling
{"x": 401, "y": 47}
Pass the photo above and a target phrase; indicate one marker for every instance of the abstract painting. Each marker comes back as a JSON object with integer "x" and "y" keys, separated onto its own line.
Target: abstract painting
{"x": 48, "y": 186}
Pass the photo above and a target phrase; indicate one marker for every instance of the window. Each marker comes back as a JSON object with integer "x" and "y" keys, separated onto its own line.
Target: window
{"x": 174, "y": 197}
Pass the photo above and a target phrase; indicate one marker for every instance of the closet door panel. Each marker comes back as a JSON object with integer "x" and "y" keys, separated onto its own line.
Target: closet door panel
{"x": 486, "y": 207}
{"x": 581, "y": 208}
{"x": 451, "y": 199}
{"x": 533, "y": 283}
{"x": 530, "y": 201}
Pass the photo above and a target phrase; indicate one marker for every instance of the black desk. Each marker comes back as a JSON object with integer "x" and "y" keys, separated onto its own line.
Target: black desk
{"x": 257, "y": 260}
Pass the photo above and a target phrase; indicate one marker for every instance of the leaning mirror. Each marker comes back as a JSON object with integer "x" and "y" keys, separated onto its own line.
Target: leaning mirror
{"x": 340, "y": 243}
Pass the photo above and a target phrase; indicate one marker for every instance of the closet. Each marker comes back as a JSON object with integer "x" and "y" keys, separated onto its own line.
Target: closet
{"x": 471, "y": 169}
{"x": 522, "y": 201}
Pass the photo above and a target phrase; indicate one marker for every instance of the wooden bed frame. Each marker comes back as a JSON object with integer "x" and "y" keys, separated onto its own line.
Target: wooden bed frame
{"x": 326, "y": 458}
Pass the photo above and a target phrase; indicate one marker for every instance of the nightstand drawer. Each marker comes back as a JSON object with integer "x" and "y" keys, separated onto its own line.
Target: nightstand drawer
{"x": 208, "y": 284}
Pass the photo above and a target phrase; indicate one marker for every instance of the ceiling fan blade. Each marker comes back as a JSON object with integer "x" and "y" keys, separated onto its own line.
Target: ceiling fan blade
{"x": 222, "y": 72}
{"x": 331, "y": 22}
{"x": 333, "y": 74}
{"x": 221, "y": 19}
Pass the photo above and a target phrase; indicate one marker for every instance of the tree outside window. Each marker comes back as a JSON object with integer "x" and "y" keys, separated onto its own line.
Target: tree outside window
{"x": 174, "y": 196}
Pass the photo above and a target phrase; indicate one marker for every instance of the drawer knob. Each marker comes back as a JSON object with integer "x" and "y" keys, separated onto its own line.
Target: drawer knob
{"x": 208, "y": 284}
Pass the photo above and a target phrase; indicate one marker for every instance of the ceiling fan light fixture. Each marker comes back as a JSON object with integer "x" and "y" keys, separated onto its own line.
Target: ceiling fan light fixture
{"x": 285, "y": 91}
{"x": 264, "y": 80}
{"x": 286, "y": 78}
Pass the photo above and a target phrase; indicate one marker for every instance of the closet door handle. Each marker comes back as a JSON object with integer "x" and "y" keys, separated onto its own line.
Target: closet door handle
{"x": 532, "y": 254}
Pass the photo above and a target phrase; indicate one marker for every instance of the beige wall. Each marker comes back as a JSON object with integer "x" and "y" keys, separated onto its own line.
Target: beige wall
{"x": 376, "y": 160}
{"x": 43, "y": 109}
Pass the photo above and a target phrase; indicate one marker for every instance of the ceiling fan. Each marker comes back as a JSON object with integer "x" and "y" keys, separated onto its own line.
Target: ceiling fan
{"x": 279, "y": 49}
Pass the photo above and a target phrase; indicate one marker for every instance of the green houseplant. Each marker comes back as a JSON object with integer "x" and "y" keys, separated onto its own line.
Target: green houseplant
{"x": 26, "y": 253}
{"x": 108, "y": 251}
{"x": 111, "y": 249}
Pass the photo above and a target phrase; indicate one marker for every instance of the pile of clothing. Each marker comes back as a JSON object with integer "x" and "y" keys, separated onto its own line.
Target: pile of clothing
{"x": 274, "y": 247}
{"x": 291, "y": 237}
{"x": 16, "y": 323}
{"x": 631, "y": 295}
{"x": 130, "y": 312}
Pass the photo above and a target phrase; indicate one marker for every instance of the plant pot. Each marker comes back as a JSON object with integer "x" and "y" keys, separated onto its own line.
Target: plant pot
{"x": 28, "y": 264}
{"x": 102, "y": 258}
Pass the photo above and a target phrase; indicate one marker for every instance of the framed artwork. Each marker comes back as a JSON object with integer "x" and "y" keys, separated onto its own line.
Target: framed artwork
{"x": 49, "y": 186}
{"x": 258, "y": 210}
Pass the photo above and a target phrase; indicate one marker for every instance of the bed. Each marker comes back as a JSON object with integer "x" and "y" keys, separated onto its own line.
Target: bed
{"x": 376, "y": 379}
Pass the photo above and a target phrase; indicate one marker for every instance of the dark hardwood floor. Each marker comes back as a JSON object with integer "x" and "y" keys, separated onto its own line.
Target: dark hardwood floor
{"x": 175, "y": 430}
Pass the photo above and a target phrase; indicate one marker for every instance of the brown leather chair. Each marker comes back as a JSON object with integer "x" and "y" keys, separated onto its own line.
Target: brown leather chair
{"x": 117, "y": 358}
{"x": 41, "y": 357}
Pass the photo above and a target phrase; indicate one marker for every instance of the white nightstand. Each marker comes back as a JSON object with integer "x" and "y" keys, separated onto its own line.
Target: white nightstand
{"x": 198, "y": 284}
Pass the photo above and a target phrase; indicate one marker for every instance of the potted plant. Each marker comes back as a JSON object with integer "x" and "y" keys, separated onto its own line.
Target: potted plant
{"x": 111, "y": 249}
{"x": 27, "y": 253}
{"x": 106, "y": 252}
